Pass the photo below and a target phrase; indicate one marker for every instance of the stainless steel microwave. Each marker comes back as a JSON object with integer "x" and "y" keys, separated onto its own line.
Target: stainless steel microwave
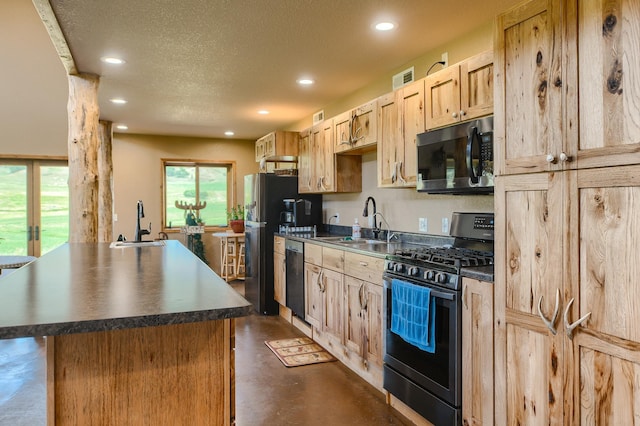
{"x": 457, "y": 159}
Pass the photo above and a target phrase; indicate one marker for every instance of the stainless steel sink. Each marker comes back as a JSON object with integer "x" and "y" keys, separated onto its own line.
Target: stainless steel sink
{"x": 349, "y": 241}
{"x": 126, "y": 244}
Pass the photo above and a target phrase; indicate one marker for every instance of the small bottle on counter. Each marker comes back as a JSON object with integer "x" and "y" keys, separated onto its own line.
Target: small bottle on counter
{"x": 355, "y": 229}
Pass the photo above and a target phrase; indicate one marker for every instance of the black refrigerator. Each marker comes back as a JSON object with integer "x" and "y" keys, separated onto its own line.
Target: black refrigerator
{"x": 263, "y": 195}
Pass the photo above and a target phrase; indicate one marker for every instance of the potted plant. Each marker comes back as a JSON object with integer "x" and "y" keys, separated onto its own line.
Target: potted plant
{"x": 236, "y": 218}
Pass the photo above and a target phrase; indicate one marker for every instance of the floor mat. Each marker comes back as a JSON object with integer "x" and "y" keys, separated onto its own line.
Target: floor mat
{"x": 299, "y": 351}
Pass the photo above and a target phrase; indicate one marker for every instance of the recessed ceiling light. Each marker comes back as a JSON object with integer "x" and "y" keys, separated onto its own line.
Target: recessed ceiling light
{"x": 229, "y": 133}
{"x": 112, "y": 60}
{"x": 385, "y": 26}
{"x": 263, "y": 112}
{"x": 122, "y": 127}
{"x": 118, "y": 101}
{"x": 305, "y": 81}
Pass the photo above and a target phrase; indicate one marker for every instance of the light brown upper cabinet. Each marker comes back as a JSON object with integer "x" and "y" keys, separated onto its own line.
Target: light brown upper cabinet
{"x": 567, "y": 86}
{"x": 400, "y": 119}
{"x": 460, "y": 92}
{"x": 319, "y": 169}
{"x": 356, "y": 131}
{"x": 277, "y": 144}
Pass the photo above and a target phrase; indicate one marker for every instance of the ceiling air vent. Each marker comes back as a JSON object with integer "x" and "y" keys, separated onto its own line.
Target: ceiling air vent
{"x": 402, "y": 78}
{"x": 318, "y": 117}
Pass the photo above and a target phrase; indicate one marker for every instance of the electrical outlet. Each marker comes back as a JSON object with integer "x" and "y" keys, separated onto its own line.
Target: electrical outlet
{"x": 115, "y": 217}
{"x": 445, "y": 59}
{"x": 422, "y": 224}
{"x": 445, "y": 225}
{"x": 337, "y": 217}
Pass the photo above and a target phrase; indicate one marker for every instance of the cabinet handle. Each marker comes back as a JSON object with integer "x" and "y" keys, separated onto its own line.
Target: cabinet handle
{"x": 362, "y": 297}
{"x": 462, "y": 113}
{"x": 363, "y": 263}
{"x": 400, "y": 177}
{"x": 394, "y": 173}
{"x": 570, "y": 327}
{"x": 464, "y": 296}
{"x": 550, "y": 323}
{"x": 454, "y": 115}
{"x": 564, "y": 157}
{"x": 551, "y": 158}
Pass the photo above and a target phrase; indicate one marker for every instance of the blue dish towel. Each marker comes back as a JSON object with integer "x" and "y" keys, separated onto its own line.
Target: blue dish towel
{"x": 413, "y": 314}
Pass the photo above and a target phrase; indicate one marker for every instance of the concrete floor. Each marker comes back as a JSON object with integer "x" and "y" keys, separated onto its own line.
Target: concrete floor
{"x": 267, "y": 392}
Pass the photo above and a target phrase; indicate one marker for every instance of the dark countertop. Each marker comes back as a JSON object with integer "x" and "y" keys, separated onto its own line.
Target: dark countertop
{"x": 482, "y": 273}
{"x": 87, "y": 287}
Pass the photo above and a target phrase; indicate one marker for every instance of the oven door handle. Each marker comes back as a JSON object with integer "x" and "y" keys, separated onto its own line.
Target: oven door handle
{"x": 441, "y": 295}
{"x": 471, "y": 139}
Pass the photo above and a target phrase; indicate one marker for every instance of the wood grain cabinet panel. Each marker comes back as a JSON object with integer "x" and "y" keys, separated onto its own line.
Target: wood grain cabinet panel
{"x": 320, "y": 170}
{"x": 460, "y": 92}
{"x": 280, "y": 278}
{"x": 401, "y": 116}
{"x": 477, "y": 352}
{"x": 356, "y": 131}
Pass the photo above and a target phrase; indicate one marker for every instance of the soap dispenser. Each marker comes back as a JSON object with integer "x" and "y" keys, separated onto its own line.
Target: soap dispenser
{"x": 355, "y": 230}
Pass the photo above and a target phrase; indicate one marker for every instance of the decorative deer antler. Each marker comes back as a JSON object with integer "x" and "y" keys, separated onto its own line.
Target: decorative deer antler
{"x": 186, "y": 206}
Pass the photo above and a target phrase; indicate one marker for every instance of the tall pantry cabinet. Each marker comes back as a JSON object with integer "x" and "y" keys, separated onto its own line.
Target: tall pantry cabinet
{"x": 567, "y": 131}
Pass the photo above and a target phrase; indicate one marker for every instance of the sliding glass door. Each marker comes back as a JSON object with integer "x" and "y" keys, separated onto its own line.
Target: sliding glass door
{"x": 34, "y": 206}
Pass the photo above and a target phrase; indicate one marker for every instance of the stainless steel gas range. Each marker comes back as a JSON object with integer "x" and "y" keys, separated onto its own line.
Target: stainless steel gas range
{"x": 422, "y": 317}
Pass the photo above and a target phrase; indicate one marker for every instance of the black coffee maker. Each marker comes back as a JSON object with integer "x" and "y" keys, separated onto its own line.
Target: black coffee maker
{"x": 287, "y": 216}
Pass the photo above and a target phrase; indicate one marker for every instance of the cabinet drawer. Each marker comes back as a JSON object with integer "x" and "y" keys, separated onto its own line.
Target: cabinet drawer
{"x": 366, "y": 268}
{"x": 313, "y": 254}
{"x": 333, "y": 259}
{"x": 278, "y": 244}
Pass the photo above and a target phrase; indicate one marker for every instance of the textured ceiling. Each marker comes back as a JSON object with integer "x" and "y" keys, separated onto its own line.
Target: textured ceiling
{"x": 201, "y": 67}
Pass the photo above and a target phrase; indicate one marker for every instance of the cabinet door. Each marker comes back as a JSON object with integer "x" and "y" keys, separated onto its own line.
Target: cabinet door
{"x": 364, "y": 131}
{"x": 333, "y": 294}
{"x": 389, "y": 132}
{"x": 608, "y": 72}
{"x": 325, "y": 158}
{"x": 355, "y": 331}
{"x": 476, "y": 86}
{"x": 477, "y": 352}
{"x": 412, "y": 112}
{"x": 304, "y": 162}
{"x": 342, "y": 131}
{"x": 529, "y": 87}
{"x": 279, "y": 278}
{"x": 530, "y": 224}
{"x": 442, "y": 91}
{"x": 259, "y": 150}
{"x": 313, "y": 296}
{"x": 374, "y": 324}
{"x": 606, "y": 233}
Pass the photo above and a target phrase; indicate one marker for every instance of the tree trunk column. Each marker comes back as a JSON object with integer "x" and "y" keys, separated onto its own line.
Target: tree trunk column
{"x": 83, "y": 113}
{"x": 105, "y": 183}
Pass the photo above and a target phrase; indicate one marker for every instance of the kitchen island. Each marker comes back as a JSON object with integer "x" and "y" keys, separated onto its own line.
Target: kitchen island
{"x": 135, "y": 335}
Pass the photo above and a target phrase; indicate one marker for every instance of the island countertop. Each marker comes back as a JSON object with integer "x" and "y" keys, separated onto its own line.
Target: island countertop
{"x": 88, "y": 287}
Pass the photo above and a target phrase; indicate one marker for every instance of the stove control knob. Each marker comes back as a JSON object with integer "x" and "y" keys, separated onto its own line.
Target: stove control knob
{"x": 414, "y": 271}
{"x": 391, "y": 266}
{"x": 430, "y": 275}
{"x": 441, "y": 278}
{"x": 399, "y": 267}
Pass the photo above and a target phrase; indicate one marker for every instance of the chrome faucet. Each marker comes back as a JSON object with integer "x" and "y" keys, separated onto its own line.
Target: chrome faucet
{"x": 390, "y": 235}
{"x": 140, "y": 215}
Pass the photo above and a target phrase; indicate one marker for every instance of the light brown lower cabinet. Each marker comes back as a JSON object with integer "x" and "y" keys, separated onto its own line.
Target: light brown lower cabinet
{"x": 477, "y": 352}
{"x": 279, "y": 271}
{"x": 346, "y": 292}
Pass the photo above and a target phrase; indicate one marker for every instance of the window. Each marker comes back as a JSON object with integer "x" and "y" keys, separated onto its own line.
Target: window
{"x": 196, "y": 183}
{"x": 34, "y": 214}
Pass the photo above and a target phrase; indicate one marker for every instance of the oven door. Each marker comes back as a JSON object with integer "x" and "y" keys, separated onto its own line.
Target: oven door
{"x": 440, "y": 372}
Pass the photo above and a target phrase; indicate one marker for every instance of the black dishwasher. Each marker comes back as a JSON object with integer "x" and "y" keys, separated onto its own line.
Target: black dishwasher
{"x": 294, "y": 255}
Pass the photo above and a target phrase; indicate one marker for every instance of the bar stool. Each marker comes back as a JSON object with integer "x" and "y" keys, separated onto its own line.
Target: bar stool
{"x": 240, "y": 263}
{"x": 229, "y": 259}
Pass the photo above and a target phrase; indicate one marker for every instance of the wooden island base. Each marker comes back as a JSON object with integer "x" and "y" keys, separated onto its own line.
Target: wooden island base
{"x": 172, "y": 375}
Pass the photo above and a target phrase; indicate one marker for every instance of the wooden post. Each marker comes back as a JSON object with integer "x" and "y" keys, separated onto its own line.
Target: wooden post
{"x": 105, "y": 182}
{"x": 83, "y": 113}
